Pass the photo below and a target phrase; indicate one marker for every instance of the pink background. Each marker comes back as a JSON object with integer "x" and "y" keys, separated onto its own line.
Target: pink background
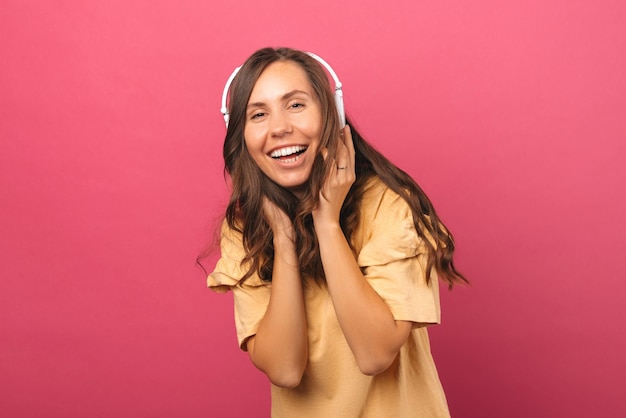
{"x": 511, "y": 115}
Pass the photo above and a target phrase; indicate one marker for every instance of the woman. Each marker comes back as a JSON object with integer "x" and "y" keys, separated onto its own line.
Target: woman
{"x": 333, "y": 254}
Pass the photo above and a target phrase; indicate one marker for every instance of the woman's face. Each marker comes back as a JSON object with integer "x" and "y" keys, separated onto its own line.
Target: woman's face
{"x": 283, "y": 124}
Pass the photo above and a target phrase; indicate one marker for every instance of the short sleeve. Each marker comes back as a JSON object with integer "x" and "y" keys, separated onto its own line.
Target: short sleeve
{"x": 250, "y": 297}
{"x": 393, "y": 258}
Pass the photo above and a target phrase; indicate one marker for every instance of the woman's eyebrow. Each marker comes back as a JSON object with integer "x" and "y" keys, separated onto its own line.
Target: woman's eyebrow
{"x": 294, "y": 93}
{"x": 285, "y": 96}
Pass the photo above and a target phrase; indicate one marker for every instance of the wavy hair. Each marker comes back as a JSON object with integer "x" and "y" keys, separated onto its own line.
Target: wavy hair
{"x": 244, "y": 212}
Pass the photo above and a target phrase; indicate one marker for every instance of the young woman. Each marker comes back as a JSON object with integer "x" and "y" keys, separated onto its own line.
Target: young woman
{"x": 333, "y": 254}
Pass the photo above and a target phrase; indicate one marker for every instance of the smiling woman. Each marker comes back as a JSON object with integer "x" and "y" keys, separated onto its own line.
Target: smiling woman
{"x": 333, "y": 254}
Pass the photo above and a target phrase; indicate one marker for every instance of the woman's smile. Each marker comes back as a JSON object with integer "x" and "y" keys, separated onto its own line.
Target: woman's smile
{"x": 288, "y": 155}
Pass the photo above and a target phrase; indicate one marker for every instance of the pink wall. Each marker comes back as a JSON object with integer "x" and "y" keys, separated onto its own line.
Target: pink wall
{"x": 512, "y": 115}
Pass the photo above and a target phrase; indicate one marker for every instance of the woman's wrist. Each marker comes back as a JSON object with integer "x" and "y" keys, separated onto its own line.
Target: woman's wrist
{"x": 324, "y": 227}
{"x": 284, "y": 241}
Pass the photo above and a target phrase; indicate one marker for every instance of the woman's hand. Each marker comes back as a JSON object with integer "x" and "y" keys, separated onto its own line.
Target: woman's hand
{"x": 281, "y": 225}
{"x": 339, "y": 180}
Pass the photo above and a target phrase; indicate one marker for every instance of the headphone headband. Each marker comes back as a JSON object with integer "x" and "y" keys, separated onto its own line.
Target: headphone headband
{"x": 338, "y": 91}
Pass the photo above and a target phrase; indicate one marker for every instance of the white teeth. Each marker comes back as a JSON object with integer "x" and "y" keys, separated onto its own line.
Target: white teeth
{"x": 283, "y": 152}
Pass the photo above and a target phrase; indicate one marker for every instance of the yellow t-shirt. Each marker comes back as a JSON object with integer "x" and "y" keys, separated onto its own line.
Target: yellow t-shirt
{"x": 391, "y": 255}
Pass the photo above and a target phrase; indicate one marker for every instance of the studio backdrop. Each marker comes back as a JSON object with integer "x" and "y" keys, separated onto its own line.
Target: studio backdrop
{"x": 510, "y": 115}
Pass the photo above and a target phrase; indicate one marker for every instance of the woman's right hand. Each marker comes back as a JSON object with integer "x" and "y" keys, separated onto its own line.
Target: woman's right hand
{"x": 278, "y": 220}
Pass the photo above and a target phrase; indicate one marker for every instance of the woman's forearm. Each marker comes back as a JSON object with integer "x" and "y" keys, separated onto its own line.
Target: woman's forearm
{"x": 365, "y": 319}
{"x": 280, "y": 347}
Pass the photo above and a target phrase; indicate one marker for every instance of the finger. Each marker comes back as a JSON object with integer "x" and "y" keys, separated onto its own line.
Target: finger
{"x": 345, "y": 150}
{"x": 342, "y": 160}
{"x": 342, "y": 134}
{"x": 347, "y": 140}
{"x": 348, "y": 144}
{"x": 342, "y": 151}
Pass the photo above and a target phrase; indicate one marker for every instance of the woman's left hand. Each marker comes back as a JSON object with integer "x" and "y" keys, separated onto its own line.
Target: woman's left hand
{"x": 338, "y": 181}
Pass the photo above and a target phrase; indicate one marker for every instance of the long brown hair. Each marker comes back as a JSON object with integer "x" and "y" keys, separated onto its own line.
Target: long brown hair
{"x": 249, "y": 185}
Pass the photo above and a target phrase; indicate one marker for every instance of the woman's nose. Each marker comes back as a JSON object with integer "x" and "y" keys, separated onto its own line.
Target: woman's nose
{"x": 279, "y": 123}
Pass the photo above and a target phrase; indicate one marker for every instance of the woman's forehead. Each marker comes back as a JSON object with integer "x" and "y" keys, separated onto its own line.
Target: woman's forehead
{"x": 278, "y": 79}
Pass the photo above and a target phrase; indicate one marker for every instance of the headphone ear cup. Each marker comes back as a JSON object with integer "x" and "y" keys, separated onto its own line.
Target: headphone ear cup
{"x": 340, "y": 110}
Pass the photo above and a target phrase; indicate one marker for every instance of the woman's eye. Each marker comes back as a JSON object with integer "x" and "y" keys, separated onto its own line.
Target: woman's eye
{"x": 297, "y": 105}
{"x": 257, "y": 115}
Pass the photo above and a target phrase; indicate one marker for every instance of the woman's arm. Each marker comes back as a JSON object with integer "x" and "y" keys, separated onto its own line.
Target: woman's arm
{"x": 280, "y": 347}
{"x": 371, "y": 331}
{"x": 373, "y": 335}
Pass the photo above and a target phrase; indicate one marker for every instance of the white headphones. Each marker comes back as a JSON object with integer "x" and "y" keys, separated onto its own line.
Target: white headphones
{"x": 338, "y": 91}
